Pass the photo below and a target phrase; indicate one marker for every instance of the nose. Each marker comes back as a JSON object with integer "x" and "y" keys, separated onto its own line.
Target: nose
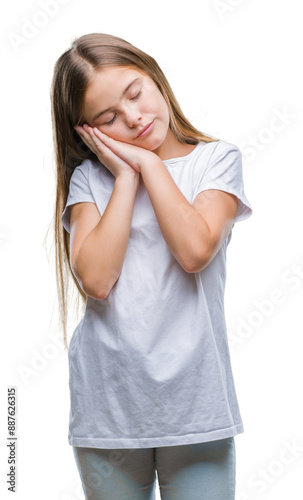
{"x": 132, "y": 116}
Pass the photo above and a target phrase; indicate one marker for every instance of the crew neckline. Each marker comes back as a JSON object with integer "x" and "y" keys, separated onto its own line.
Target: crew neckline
{"x": 179, "y": 158}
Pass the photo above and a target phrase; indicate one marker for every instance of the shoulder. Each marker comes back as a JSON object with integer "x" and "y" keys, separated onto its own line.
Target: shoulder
{"x": 212, "y": 151}
{"x": 224, "y": 156}
{"x": 90, "y": 171}
{"x": 208, "y": 154}
{"x": 222, "y": 147}
{"x": 86, "y": 166}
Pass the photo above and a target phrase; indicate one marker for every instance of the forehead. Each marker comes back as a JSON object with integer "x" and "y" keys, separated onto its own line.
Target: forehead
{"x": 111, "y": 80}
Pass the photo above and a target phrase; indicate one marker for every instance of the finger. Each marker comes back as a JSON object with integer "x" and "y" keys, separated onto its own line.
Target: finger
{"x": 86, "y": 137}
{"x": 117, "y": 147}
{"x": 90, "y": 133}
{"x": 121, "y": 149}
{"x": 89, "y": 130}
{"x": 102, "y": 150}
{"x": 103, "y": 143}
{"x": 83, "y": 134}
{"x": 103, "y": 137}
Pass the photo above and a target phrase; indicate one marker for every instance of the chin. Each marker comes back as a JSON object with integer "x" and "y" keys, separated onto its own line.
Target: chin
{"x": 153, "y": 142}
{"x": 156, "y": 146}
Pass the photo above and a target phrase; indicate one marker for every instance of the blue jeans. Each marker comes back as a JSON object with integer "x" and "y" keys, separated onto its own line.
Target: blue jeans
{"x": 204, "y": 471}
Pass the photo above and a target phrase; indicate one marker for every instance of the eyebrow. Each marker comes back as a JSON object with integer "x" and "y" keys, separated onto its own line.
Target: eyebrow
{"x": 123, "y": 94}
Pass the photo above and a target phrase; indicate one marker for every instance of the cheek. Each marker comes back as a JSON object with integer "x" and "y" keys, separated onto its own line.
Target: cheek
{"x": 162, "y": 107}
{"x": 116, "y": 132}
{"x": 112, "y": 131}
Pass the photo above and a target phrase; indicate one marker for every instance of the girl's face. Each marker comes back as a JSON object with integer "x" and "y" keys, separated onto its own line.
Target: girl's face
{"x": 121, "y": 102}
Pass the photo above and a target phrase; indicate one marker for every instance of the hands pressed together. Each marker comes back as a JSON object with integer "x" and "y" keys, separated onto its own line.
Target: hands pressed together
{"x": 117, "y": 156}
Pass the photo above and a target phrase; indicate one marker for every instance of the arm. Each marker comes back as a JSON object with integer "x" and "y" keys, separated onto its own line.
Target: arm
{"x": 98, "y": 244}
{"x": 194, "y": 233}
{"x": 97, "y": 254}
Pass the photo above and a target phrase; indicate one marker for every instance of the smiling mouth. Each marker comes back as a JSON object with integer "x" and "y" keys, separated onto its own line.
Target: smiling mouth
{"x": 144, "y": 129}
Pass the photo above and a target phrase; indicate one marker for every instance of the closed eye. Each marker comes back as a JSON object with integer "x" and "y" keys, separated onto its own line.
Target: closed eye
{"x": 132, "y": 99}
{"x": 112, "y": 120}
{"x": 136, "y": 96}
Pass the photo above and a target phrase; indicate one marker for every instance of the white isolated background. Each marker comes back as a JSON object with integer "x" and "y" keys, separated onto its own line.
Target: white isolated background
{"x": 234, "y": 66}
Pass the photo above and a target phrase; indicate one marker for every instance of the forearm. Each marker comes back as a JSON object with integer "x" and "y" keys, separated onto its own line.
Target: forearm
{"x": 101, "y": 255}
{"x": 184, "y": 229}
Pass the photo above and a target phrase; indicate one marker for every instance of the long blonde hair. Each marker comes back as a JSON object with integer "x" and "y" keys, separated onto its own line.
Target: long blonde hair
{"x": 72, "y": 74}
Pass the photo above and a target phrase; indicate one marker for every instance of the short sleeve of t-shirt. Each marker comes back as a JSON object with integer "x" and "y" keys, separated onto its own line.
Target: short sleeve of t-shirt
{"x": 224, "y": 172}
{"x": 79, "y": 191}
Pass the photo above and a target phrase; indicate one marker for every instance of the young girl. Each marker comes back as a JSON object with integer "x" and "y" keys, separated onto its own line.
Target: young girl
{"x": 149, "y": 206}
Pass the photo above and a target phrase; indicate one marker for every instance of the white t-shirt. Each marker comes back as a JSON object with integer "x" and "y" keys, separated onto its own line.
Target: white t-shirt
{"x": 149, "y": 365}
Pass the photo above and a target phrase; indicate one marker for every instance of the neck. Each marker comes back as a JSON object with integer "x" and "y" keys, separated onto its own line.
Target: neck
{"x": 172, "y": 148}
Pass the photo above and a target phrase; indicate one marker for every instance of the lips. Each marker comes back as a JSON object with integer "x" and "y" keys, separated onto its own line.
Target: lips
{"x": 144, "y": 128}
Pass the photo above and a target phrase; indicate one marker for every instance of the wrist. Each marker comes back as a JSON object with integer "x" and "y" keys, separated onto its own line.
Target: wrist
{"x": 128, "y": 178}
{"x": 153, "y": 163}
